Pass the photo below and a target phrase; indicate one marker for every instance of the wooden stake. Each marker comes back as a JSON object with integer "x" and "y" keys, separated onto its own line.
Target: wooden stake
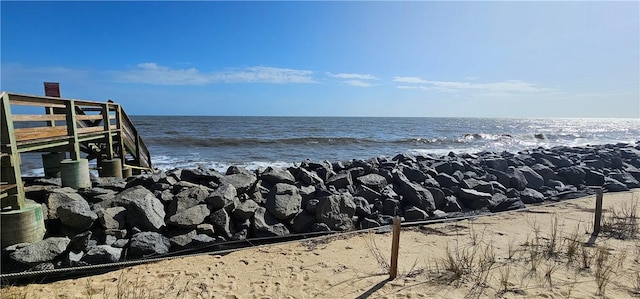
{"x": 598, "y": 214}
{"x": 395, "y": 246}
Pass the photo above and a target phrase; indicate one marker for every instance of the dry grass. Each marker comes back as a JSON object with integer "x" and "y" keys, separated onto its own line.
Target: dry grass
{"x": 622, "y": 223}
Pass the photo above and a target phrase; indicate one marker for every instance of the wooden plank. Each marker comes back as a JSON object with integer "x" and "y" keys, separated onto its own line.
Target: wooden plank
{"x": 29, "y": 100}
{"x": 90, "y": 130}
{"x": 37, "y": 104}
{"x": 88, "y": 117}
{"x": 38, "y": 117}
{"x": 395, "y": 246}
{"x": 39, "y": 132}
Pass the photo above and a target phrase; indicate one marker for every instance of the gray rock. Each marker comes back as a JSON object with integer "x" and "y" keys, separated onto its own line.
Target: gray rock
{"x": 221, "y": 197}
{"x": 265, "y": 225}
{"x": 191, "y": 217}
{"x": 413, "y": 175}
{"x": 144, "y": 210}
{"x": 113, "y": 218}
{"x": 496, "y": 163}
{"x": 362, "y": 207}
{"x": 60, "y": 196}
{"x": 390, "y": 207}
{"x": 102, "y": 254}
{"x": 612, "y": 185}
{"x": 336, "y": 211}
{"x": 372, "y": 180}
{"x": 626, "y": 179}
{"x": 284, "y": 201}
{"x": 309, "y": 177}
{"x": 508, "y": 205}
{"x": 593, "y": 177}
{"x": 451, "y": 204}
{"x": 412, "y": 213}
{"x": 76, "y": 214}
{"x": 340, "y": 180}
{"x": 529, "y": 195}
{"x": 573, "y": 175}
{"x": 222, "y": 222}
{"x": 189, "y": 239}
{"x": 245, "y": 209}
{"x": 446, "y": 180}
{"x": 535, "y": 181}
{"x": 368, "y": 223}
{"x": 243, "y": 182}
{"x": 41, "y": 251}
{"x": 438, "y": 196}
{"x": 517, "y": 179}
{"x": 369, "y": 194}
{"x": 277, "y": 175}
{"x": 80, "y": 241}
{"x": 475, "y": 200}
{"x": 303, "y": 222}
{"x": 544, "y": 171}
{"x": 74, "y": 259}
{"x": 415, "y": 194}
{"x": 148, "y": 243}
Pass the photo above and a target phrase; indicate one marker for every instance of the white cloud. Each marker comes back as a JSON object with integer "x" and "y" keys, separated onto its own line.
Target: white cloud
{"x": 353, "y": 76}
{"x": 505, "y": 87}
{"x": 359, "y": 80}
{"x": 152, "y": 73}
{"x": 358, "y": 83}
{"x": 409, "y": 80}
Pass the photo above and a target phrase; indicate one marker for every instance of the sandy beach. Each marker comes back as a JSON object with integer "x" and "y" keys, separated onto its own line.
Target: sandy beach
{"x": 495, "y": 257}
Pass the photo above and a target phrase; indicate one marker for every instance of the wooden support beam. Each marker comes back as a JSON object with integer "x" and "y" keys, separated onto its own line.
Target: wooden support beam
{"x": 395, "y": 247}
{"x": 10, "y": 159}
{"x": 72, "y": 129}
{"x": 107, "y": 127}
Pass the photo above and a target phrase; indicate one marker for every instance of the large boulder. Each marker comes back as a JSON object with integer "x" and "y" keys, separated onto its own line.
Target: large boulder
{"x": 284, "y": 201}
{"x": 76, "y": 214}
{"x": 529, "y": 195}
{"x": 222, "y": 222}
{"x": 415, "y": 194}
{"x": 573, "y": 175}
{"x": 372, "y": 180}
{"x": 340, "y": 180}
{"x": 612, "y": 185}
{"x": 517, "y": 179}
{"x": 148, "y": 243}
{"x": 412, "y": 213}
{"x": 222, "y": 196}
{"x": 265, "y": 225}
{"x": 243, "y": 182}
{"x": 101, "y": 254}
{"x": 191, "y": 217}
{"x": 245, "y": 209}
{"x": 534, "y": 180}
{"x": 308, "y": 177}
{"x": 144, "y": 210}
{"x": 113, "y": 218}
{"x": 336, "y": 211}
{"x": 474, "y": 199}
{"x": 41, "y": 251}
{"x": 277, "y": 175}
{"x": 57, "y": 197}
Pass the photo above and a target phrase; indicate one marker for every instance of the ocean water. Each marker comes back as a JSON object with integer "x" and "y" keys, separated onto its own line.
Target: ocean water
{"x": 256, "y": 142}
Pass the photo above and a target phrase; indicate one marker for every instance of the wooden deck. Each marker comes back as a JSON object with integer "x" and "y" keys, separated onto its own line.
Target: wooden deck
{"x": 101, "y": 130}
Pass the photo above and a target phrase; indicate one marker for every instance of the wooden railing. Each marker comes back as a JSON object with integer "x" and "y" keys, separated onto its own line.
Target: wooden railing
{"x": 99, "y": 129}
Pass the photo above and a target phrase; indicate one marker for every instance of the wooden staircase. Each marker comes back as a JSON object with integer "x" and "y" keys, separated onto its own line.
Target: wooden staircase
{"x": 101, "y": 130}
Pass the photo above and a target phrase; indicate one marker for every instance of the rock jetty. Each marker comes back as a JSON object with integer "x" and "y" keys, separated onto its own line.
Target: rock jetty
{"x": 154, "y": 214}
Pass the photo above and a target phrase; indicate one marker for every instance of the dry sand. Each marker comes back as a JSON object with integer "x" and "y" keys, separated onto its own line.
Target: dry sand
{"x": 346, "y": 267}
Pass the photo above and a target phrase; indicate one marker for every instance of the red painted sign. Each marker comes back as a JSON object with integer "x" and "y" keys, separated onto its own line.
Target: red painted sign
{"x": 52, "y": 89}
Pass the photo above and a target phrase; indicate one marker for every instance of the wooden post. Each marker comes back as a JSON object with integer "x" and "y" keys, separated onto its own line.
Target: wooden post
{"x": 107, "y": 129}
{"x": 598, "y": 214}
{"x": 9, "y": 160}
{"x": 72, "y": 130}
{"x": 395, "y": 247}
{"x": 120, "y": 129}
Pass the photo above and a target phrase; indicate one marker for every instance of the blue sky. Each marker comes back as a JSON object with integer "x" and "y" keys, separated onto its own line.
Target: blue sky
{"x": 471, "y": 59}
